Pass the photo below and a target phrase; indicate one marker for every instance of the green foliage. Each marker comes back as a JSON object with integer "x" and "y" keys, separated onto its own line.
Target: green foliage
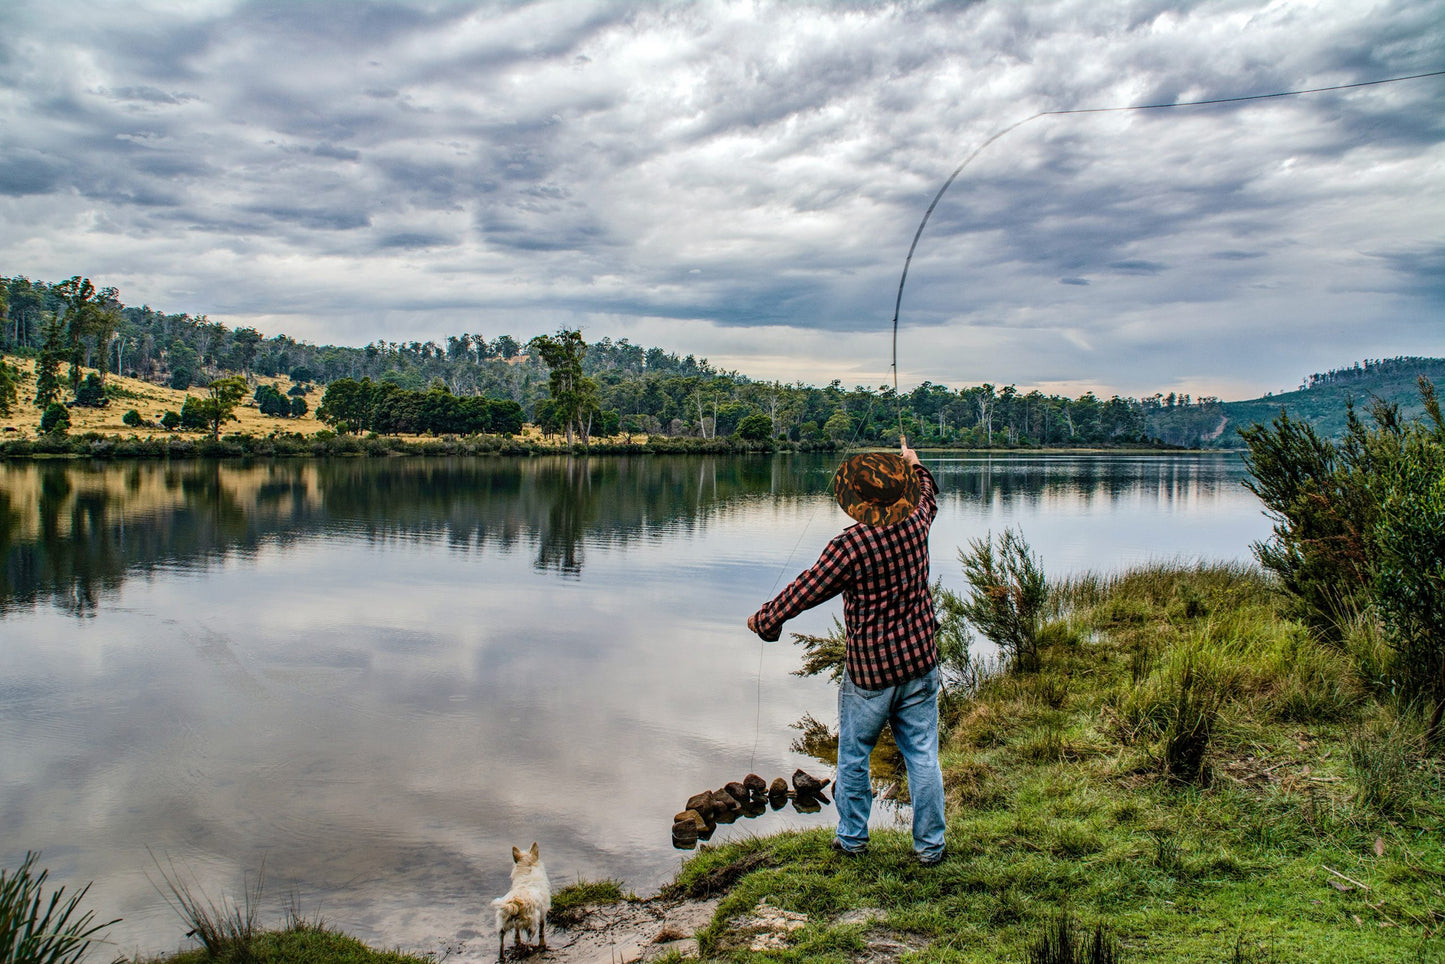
{"x": 757, "y": 427}
{"x": 47, "y": 367}
{"x": 132, "y": 418}
{"x": 1007, "y": 592}
{"x": 271, "y": 402}
{"x": 1362, "y": 524}
{"x": 180, "y": 379}
{"x": 171, "y": 420}
{"x": 574, "y": 395}
{"x": 9, "y": 387}
{"x": 55, "y": 420}
{"x": 34, "y": 930}
{"x": 91, "y": 392}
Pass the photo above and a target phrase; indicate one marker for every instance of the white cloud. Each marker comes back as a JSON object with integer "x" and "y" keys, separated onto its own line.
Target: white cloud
{"x": 741, "y": 181}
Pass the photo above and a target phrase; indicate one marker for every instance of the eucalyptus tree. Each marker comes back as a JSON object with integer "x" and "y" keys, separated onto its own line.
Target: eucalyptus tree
{"x": 573, "y": 393}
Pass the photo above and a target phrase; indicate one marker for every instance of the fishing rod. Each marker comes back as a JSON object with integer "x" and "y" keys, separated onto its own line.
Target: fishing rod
{"x": 898, "y": 302}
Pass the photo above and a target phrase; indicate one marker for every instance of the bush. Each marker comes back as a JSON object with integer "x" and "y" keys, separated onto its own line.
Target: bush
{"x": 55, "y": 420}
{"x": 36, "y": 931}
{"x": 181, "y": 379}
{"x": 171, "y": 420}
{"x": 1007, "y": 596}
{"x": 1360, "y": 525}
{"x": 132, "y": 418}
{"x": 91, "y": 393}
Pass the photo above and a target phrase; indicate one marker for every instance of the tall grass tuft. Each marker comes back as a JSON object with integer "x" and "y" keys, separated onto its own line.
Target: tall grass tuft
{"x": 1382, "y": 762}
{"x": 1061, "y": 943}
{"x": 36, "y": 931}
{"x": 226, "y": 930}
{"x": 1179, "y": 708}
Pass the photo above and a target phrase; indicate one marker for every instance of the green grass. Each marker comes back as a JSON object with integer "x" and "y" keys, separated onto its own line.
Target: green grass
{"x": 1310, "y": 829}
{"x": 299, "y": 944}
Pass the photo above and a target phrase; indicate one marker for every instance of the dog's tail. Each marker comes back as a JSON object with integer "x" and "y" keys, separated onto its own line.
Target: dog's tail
{"x": 510, "y": 908}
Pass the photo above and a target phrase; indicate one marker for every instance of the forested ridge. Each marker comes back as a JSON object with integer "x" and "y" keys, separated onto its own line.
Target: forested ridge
{"x": 617, "y": 386}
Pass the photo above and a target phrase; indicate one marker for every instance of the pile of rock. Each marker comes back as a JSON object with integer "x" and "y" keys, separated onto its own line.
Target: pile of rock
{"x": 749, "y": 797}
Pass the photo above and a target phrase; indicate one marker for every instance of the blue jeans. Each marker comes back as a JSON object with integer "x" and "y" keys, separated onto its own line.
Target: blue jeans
{"x": 912, "y": 710}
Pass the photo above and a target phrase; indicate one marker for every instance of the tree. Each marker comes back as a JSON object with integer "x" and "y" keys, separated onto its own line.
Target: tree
{"x": 573, "y": 393}
{"x": 246, "y": 342}
{"x": 346, "y": 406}
{"x": 47, "y": 369}
{"x": 757, "y": 427}
{"x": 9, "y": 385}
{"x": 55, "y": 420}
{"x": 132, "y": 418}
{"x": 171, "y": 420}
{"x": 91, "y": 393}
{"x": 218, "y": 407}
{"x": 839, "y": 425}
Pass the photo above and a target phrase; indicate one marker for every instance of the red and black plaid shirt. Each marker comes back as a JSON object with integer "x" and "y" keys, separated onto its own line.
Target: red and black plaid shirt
{"x": 882, "y": 572}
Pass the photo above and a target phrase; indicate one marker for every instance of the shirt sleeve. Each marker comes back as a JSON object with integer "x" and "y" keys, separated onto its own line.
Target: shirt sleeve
{"x": 827, "y": 577}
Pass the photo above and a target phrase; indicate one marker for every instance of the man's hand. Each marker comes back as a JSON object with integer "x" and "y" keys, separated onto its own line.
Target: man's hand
{"x": 753, "y": 622}
{"x": 909, "y": 456}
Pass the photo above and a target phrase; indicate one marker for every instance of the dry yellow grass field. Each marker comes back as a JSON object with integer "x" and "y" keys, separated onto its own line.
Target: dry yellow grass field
{"x": 151, "y": 401}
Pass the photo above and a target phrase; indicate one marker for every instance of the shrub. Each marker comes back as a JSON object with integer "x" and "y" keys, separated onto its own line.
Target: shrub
{"x": 91, "y": 393}
{"x": 55, "y": 420}
{"x": 181, "y": 379}
{"x": 1007, "y": 596}
{"x": 36, "y": 931}
{"x": 1361, "y": 524}
{"x": 171, "y": 420}
{"x": 132, "y": 418}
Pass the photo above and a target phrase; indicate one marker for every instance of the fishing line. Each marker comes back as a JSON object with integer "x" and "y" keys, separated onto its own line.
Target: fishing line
{"x": 898, "y": 302}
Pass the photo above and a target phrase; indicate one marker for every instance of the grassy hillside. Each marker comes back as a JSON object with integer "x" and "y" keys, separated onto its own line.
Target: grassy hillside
{"x": 1323, "y": 404}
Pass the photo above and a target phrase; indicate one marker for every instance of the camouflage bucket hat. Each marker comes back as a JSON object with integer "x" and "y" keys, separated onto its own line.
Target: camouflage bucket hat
{"x": 877, "y": 488}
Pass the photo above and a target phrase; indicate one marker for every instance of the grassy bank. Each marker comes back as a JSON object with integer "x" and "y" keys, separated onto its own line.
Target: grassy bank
{"x": 1188, "y": 773}
{"x": 1187, "y": 768}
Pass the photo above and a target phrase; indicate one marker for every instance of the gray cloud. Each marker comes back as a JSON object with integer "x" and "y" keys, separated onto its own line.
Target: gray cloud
{"x": 736, "y": 177}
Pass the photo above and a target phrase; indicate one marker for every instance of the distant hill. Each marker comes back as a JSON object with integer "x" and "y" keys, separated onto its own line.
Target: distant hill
{"x": 1323, "y": 399}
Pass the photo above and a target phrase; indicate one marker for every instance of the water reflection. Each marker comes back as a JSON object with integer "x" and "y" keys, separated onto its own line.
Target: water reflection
{"x": 71, "y": 534}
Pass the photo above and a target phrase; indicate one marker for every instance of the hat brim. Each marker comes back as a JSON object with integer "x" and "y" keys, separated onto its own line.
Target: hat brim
{"x": 851, "y": 500}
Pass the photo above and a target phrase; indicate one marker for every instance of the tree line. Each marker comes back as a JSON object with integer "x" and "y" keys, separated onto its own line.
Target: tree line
{"x": 564, "y": 384}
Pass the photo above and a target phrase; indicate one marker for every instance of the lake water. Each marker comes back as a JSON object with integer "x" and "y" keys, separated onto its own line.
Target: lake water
{"x": 372, "y": 677}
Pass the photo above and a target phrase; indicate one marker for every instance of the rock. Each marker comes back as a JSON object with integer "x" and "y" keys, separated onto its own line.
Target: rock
{"x": 778, "y": 790}
{"x": 702, "y": 803}
{"x": 808, "y": 785}
{"x": 724, "y": 802}
{"x": 754, "y": 807}
{"x": 806, "y": 804}
{"x": 684, "y": 833}
{"x": 691, "y": 816}
{"x": 737, "y": 791}
{"x": 755, "y": 785}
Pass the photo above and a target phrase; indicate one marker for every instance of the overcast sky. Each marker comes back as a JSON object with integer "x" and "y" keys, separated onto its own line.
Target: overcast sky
{"x": 742, "y": 181}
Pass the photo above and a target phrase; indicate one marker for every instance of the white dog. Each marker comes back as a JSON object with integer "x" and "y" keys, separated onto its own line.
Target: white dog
{"x": 525, "y": 906}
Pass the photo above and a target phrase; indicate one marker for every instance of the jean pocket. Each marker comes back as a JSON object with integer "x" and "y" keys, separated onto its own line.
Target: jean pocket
{"x": 855, "y": 690}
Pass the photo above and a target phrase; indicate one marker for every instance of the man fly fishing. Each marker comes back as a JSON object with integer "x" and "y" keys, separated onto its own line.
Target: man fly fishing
{"x": 880, "y": 565}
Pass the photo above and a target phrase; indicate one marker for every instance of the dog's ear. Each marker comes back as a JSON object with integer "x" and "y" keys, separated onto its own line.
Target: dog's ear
{"x": 535, "y": 852}
{"x": 516, "y": 855}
